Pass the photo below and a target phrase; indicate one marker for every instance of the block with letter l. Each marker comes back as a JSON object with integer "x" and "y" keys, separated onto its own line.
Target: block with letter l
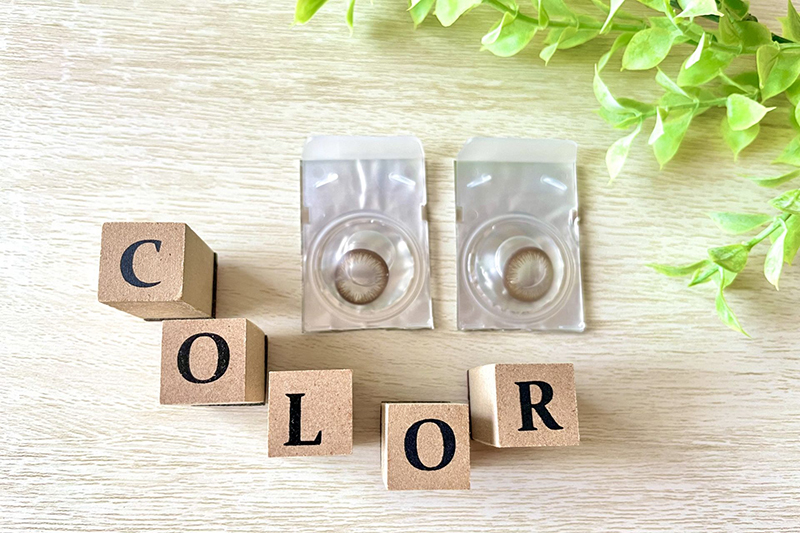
{"x": 522, "y": 405}
{"x": 156, "y": 270}
{"x": 310, "y": 413}
{"x": 213, "y": 362}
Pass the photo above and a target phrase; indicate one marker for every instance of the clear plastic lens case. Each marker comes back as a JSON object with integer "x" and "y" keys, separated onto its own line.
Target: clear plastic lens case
{"x": 518, "y": 241}
{"x": 366, "y": 262}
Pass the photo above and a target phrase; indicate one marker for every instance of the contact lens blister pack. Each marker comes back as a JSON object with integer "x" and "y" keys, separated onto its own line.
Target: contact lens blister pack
{"x": 366, "y": 262}
{"x": 518, "y": 241}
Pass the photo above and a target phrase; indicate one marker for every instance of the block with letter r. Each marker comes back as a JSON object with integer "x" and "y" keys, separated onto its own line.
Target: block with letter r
{"x": 522, "y": 405}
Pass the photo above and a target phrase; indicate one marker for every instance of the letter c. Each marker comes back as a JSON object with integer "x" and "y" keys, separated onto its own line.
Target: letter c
{"x": 126, "y": 263}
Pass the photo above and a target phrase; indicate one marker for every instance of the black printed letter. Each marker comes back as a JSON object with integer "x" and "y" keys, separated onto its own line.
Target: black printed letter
{"x": 126, "y": 264}
{"x": 541, "y": 410}
{"x": 223, "y": 357}
{"x": 294, "y": 424}
{"x": 448, "y": 444}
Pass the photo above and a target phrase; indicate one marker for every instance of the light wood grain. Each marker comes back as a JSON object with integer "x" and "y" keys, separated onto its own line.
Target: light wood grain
{"x": 196, "y": 112}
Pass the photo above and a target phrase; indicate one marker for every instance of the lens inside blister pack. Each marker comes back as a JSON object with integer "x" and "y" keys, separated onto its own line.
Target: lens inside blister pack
{"x": 517, "y": 236}
{"x": 516, "y": 266}
{"x": 366, "y": 267}
{"x": 365, "y": 239}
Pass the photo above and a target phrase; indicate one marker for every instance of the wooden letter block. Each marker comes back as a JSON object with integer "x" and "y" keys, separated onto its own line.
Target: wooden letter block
{"x": 213, "y": 362}
{"x": 425, "y": 446}
{"x": 310, "y": 413}
{"x": 156, "y": 270}
{"x": 524, "y": 405}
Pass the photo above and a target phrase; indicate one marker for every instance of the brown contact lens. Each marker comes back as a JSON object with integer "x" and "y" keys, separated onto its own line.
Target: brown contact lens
{"x": 361, "y": 276}
{"x": 528, "y": 274}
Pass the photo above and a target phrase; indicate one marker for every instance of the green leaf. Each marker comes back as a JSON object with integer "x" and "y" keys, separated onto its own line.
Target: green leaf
{"x": 698, "y": 51}
{"x": 773, "y": 264}
{"x": 546, "y": 54}
{"x": 509, "y": 36}
{"x": 793, "y": 122}
{"x": 793, "y": 93}
{"x": 737, "y": 8}
{"x": 680, "y": 271}
{"x": 658, "y": 128}
{"x": 737, "y": 223}
{"x": 448, "y": 11}
{"x": 788, "y": 202}
{"x": 667, "y": 144}
{"x": 621, "y": 41}
{"x": 305, "y": 9}
{"x": 703, "y": 67}
{"x": 642, "y": 108}
{"x": 603, "y": 95}
{"x": 774, "y": 181}
{"x": 796, "y": 114}
{"x": 791, "y": 24}
{"x": 557, "y": 8}
{"x": 618, "y": 153}
{"x": 419, "y": 10}
{"x": 738, "y": 140}
{"x": 743, "y": 112}
{"x": 647, "y": 49}
{"x": 790, "y": 154}
{"x": 748, "y": 34}
{"x": 704, "y": 274}
{"x": 614, "y": 7}
{"x": 732, "y": 257}
{"x": 726, "y": 276}
{"x": 349, "y": 16}
{"x": 777, "y": 70}
{"x": 559, "y": 38}
{"x": 725, "y": 313}
{"x": 574, "y": 37}
{"x": 667, "y": 83}
{"x": 619, "y": 119}
{"x": 658, "y": 5}
{"x": 766, "y": 57}
{"x": 698, "y": 8}
{"x": 564, "y": 38}
{"x": 541, "y": 12}
{"x": 792, "y": 243}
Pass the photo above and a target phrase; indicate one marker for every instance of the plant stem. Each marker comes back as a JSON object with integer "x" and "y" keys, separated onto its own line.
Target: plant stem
{"x": 777, "y": 223}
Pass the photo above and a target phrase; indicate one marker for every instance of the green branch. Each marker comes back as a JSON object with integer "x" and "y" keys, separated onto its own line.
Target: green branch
{"x": 776, "y": 224}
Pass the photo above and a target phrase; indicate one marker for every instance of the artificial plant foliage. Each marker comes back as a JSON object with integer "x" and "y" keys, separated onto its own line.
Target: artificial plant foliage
{"x": 709, "y": 35}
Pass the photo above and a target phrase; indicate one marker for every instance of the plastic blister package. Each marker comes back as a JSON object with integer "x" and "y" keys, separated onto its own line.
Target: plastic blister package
{"x": 518, "y": 240}
{"x": 366, "y": 262}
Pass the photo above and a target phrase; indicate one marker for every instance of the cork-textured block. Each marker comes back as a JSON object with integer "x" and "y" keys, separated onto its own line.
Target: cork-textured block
{"x": 310, "y": 413}
{"x": 425, "y": 446}
{"x": 213, "y": 362}
{"x": 156, "y": 270}
{"x": 522, "y": 405}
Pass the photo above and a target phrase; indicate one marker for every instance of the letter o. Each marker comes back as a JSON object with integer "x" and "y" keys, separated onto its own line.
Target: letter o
{"x": 448, "y": 444}
{"x": 223, "y": 357}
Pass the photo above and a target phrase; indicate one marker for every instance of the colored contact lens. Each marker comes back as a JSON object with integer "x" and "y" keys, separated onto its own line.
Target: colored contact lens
{"x": 361, "y": 276}
{"x": 528, "y": 274}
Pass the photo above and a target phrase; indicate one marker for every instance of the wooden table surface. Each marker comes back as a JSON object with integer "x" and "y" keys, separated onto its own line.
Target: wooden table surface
{"x": 197, "y": 112}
